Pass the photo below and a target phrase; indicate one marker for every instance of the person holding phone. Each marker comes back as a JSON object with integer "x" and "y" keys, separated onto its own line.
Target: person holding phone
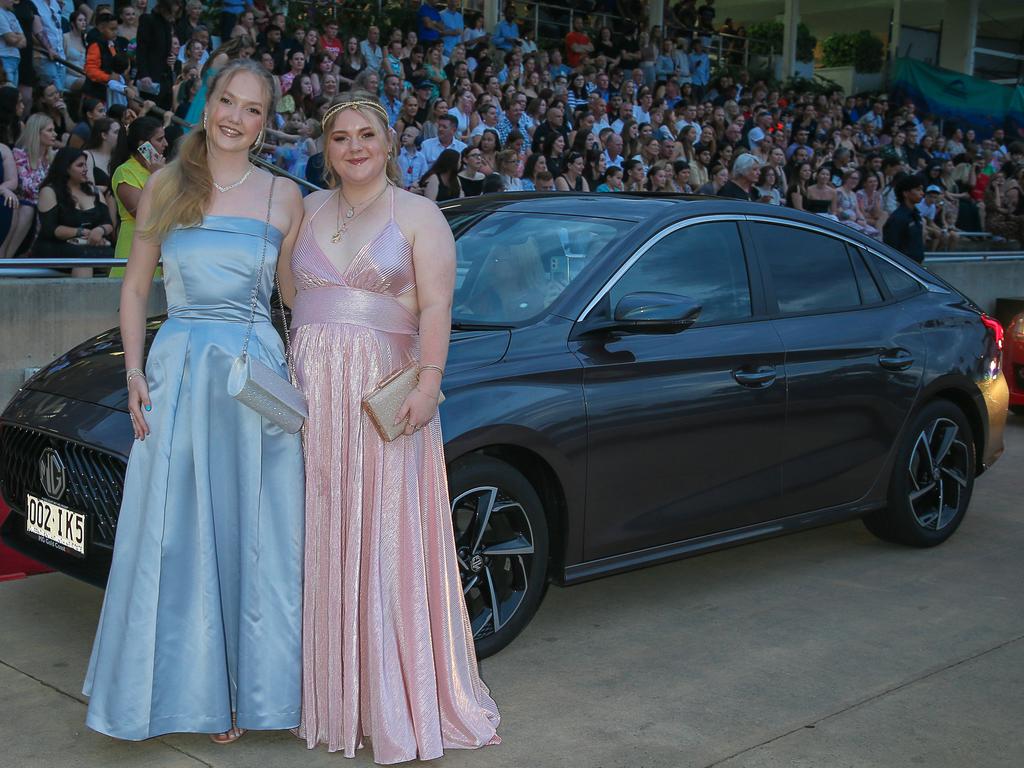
{"x": 135, "y": 160}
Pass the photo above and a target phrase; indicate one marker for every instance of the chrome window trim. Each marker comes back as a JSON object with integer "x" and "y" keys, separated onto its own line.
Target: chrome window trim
{"x": 650, "y": 243}
{"x": 811, "y": 228}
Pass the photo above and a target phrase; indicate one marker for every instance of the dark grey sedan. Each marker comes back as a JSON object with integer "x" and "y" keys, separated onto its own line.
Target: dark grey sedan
{"x": 631, "y": 380}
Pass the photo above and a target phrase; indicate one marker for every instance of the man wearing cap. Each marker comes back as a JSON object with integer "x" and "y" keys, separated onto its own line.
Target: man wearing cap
{"x": 938, "y": 235}
{"x": 762, "y": 126}
{"x": 903, "y": 229}
{"x": 745, "y": 170}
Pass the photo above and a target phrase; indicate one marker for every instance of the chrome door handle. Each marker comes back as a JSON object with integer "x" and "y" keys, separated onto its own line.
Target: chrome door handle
{"x": 760, "y": 377}
{"x": 896, "y": 359}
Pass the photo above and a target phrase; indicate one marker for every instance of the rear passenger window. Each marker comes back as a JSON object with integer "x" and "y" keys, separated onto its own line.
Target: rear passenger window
{"x": 869, "y": 293}
{"x": 899, "y": 283}
{"x": 809, "y": 272}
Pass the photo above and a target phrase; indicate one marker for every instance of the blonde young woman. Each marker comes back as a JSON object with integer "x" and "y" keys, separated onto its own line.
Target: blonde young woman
{"x": 387, "y": 651}
{"x": 32, "y": 155}
{"x": 201, "y": 622}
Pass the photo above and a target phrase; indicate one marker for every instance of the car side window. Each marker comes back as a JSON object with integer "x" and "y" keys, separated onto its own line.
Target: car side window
{"x": 869, "y": 292}
{"x": 809, "y": 272}
{"x": 704, "y": 262}
{"x": 899, "y": 283}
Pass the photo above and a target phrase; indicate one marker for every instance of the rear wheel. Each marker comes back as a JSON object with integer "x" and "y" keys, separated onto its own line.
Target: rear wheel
{"x": 932, "y": 481}
{"x": 501, "y": 538}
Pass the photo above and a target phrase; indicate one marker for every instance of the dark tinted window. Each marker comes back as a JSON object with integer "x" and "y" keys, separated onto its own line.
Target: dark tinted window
{"x": 899, "y": 283}
{"x": 869, "y": 293}
{"x": 704, "y": 262}
{"x": 809, "y": 272}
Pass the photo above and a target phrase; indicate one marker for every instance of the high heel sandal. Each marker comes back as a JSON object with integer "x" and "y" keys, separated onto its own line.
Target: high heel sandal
{"x": 230, "y": 736}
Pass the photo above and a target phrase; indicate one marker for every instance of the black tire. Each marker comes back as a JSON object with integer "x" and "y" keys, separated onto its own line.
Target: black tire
{"x": 504, "y": 571}
{"x": 932, "y": 479}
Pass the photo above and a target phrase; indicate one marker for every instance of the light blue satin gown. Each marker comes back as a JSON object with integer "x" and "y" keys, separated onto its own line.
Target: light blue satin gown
{"x": 203, "y": 609}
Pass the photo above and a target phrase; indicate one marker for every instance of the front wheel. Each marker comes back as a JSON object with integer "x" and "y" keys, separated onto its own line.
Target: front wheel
{"x": 932, "y": 480}
{"x": 501, "y": 538}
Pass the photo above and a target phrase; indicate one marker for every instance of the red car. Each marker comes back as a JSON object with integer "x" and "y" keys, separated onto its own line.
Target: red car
{"x": 1013, "y": 362}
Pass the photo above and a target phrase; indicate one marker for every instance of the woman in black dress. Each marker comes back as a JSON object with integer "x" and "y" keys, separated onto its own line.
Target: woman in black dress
{"x": 441, "y": 182}
{"x": 74, "y": 223}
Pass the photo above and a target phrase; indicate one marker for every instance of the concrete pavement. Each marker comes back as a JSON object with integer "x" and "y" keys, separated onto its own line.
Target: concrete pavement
{"x": 827, "y": 649}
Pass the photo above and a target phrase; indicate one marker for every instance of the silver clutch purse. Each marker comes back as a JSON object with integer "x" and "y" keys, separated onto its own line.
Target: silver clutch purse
{"x": 264, "y": 390}
{"x": 253, "y": 383}
{"x": 383, "y": 403}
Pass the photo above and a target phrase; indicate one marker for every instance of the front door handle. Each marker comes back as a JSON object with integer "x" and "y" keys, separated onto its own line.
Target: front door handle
{"x": 755, "y": 378}
{"x": 896, "y": 359}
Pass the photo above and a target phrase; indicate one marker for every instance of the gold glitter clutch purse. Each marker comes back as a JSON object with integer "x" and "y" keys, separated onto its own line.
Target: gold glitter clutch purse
{"x": 383, "y": 403}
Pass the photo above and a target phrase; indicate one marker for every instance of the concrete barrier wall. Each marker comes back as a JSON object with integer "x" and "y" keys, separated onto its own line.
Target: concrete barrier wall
{"x": 41, "y": 318}
{"x": 983, "y": 281}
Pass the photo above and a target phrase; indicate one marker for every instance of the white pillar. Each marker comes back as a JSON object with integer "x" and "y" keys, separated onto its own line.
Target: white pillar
{"x": 959, "y": 30}
{"x": 656, "y": 14}
{"x": 790, "y": 20}
{"x": 894, "y": 33}
{"x": 491, "y": 15}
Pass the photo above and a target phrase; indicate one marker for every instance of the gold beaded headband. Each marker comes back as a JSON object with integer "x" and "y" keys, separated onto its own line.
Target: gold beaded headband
{"x": 354, "y": 104}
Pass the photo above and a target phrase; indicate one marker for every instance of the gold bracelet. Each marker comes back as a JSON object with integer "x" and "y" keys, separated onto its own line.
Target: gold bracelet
{"x": 437, "y": 368}
{"x": 433, "y": 397}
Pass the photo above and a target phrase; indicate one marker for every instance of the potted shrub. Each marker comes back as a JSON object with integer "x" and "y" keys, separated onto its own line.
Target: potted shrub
{"x": 766, "y": 41}
{"x": 854, "y": 60}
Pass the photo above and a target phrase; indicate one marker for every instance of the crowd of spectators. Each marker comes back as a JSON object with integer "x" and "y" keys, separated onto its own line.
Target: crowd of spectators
{"x": 606, "y": 108}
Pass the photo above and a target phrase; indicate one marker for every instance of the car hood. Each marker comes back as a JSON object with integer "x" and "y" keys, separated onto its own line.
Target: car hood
{"x": 94, "y": 370}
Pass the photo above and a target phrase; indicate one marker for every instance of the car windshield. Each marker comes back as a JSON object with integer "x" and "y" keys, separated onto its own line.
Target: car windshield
{"x": 511, "y": 266}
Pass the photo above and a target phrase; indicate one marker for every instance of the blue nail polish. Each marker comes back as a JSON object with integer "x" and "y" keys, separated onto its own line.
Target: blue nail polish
{"x": 149, "y": 407}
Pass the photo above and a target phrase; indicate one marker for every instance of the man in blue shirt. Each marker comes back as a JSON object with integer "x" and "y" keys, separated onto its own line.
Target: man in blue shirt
{"x": 700, "y": 68}
{"x": 453, "y": 26}
{"x": 430, "y": 24}
{"x": 506, "y": 34}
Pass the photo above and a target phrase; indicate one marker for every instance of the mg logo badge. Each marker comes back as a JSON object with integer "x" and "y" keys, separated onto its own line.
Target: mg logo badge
{"x": 52, "y": 474}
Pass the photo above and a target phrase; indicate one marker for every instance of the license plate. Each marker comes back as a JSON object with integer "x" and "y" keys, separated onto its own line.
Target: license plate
{"x": 55, "y": 525}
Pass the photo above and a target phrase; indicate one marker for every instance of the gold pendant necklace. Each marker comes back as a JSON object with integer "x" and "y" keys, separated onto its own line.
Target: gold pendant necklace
{"x": 341, "y": 227}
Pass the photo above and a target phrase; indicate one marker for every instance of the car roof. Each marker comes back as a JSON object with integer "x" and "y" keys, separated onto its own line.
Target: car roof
{"x": 642, "y": 207}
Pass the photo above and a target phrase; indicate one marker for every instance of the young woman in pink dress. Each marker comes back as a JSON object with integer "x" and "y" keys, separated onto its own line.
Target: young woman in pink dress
{"x": 388, "y": 653}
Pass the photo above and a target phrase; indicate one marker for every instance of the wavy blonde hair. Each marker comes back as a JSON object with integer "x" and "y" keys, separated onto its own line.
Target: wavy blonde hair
{"x": 183, "y": 189}
{"x": 29, "y": 139}
{"x": 377, "y": 120}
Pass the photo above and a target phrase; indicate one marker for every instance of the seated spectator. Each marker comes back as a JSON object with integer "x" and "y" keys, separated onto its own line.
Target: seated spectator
{"x": 800, "y": 180}
{"x": 745, "y": 172}
{"x": 441, "y": 181}
{"x": 938, "y": 235}
{"x": 133, "y": 164}
{"x": 508, "y": 166}
{"x": 351, "y": 63}
{"x": 544, "y": 181}
{"x": 821, "y": 195}
{"x": 411, "y": 162}
{"x": 634, "y": 176}
{"x": 869, "y": 196}
{"x": 1004, "y": 206}
{"x": 99, "y": 150}
{"x": 445, "y": 139}
{"x": 90, "y": 110}
{"x": 718, "y": 175}
{"x": 571, "y": 178}
{"x": 848, "y": 205}
{"x": 32, "y": 157}
{"x": 74, "y": 221}
{"x": 471, "y": 180}
{"x": 765, "y": 187}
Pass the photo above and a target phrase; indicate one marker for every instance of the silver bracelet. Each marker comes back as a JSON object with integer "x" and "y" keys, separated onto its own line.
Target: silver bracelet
{"x": 437, "y": 368}
{"x": 131, "y": 373}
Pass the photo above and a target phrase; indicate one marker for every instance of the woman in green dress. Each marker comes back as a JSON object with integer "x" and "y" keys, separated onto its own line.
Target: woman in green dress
{"x": 132, "y": 168}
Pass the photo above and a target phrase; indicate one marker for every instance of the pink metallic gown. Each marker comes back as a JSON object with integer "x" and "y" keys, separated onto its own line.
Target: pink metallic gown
{"x": 387, "y": 647}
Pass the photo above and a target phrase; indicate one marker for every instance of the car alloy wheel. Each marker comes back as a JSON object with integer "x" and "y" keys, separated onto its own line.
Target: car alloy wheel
{"x": 932, "y": 478}
{"x": 501, "y": 544}
{"x": 494, "y": 542}
{"x": 937, "y": 473}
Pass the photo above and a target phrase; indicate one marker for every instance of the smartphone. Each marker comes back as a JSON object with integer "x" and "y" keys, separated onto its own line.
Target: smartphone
{"x": 148, "y": 152}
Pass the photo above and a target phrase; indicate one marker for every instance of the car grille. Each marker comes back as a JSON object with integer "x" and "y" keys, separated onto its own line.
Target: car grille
{"x": 95, "y": 480}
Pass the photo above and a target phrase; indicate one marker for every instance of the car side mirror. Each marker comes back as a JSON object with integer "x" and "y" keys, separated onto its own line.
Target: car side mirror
{"x": 650, "y": 312}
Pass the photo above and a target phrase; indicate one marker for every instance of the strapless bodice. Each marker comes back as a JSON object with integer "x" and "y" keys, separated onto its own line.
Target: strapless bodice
{"x": 210, "y": 269}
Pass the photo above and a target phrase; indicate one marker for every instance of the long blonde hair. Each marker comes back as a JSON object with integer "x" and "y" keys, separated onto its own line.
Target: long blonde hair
{"x": 183, "y": 189}
{"x": 377, "y": 120}
{"x": 29, "y": 139}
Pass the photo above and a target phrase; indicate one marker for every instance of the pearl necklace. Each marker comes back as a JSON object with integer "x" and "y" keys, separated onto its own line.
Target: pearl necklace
{"x": 238, "y": 183}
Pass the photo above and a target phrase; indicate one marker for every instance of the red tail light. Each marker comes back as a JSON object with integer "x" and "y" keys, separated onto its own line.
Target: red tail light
{"x": 997, "y": 336}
